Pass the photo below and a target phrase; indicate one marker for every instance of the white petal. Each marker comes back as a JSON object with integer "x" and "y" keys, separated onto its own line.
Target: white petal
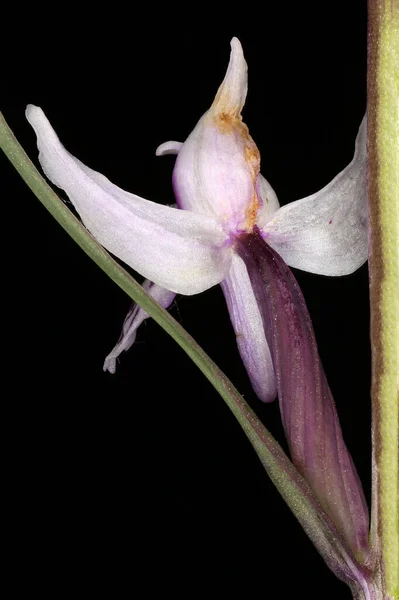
{"x": 168, "y": 148}
{"x": 326, "y": 232}
{"x": 133, "y": 320}
{"x": 270, "y": 203}
{"x": 248, "y": 327}
{"x": 178, "y": 250}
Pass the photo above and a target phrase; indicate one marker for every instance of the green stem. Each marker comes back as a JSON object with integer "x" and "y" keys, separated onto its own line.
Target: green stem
{"x": 383, "y": 150}
{"x": 280, "y": 469}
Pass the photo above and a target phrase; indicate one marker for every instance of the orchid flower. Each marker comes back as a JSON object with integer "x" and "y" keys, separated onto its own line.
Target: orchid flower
{"x": 218, "y": 185}
{"x": 228, "y": 228}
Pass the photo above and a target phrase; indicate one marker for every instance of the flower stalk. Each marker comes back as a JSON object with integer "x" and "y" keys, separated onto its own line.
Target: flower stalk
{"x": 383, "y": 184}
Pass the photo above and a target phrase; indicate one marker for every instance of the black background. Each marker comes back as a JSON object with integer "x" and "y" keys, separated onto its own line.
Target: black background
{"x": 142, "y": 483}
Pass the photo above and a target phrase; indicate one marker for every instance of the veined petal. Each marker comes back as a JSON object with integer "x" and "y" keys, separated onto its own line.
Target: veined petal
{"x": 326, "y": 232}
{"x": 181, "y": 251}
{"x": 168, "y": 148}
{"x": 133, "y": 320}
{"x": 249, "y": 330}
{"x": 307, "y": 408}
{"x": 217, "y": 167}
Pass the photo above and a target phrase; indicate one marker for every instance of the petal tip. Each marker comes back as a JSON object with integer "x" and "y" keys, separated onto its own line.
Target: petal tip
{"x": 168, "y": 148}
{"x": 235, "y": 45}
{"x": 361, "y": 138}
{"x": 32, "y": 113}
{"x": 38, "y": 120}
{"x": 109, "y": 365}
{"x": 231, "y": 95}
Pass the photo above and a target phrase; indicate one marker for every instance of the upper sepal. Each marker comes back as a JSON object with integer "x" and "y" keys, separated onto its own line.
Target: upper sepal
{"x": 230, "y": 98}
{"x": 217, "y": 167}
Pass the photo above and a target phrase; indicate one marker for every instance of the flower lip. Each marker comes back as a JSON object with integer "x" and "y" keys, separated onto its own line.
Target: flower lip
{"x": 306, "y": 404}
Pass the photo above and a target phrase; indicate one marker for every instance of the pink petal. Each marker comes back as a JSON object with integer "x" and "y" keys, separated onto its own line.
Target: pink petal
{"x": 178, "y": 250}
{"x": 248, "y": 327}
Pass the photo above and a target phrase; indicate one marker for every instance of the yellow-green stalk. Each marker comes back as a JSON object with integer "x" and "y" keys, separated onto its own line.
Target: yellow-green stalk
{"x": 383, "y": 182}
